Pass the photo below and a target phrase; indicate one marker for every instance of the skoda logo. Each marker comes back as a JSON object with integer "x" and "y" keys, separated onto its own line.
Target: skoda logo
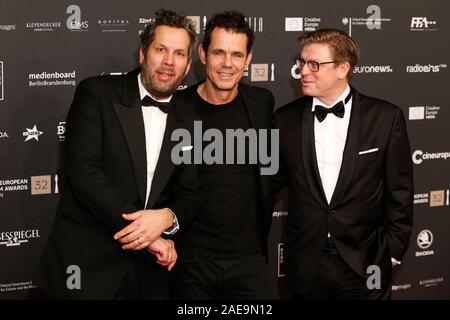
{"x": 424, "y": 239}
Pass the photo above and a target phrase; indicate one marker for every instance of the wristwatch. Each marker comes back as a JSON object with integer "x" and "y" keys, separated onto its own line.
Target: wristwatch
{"x": 175, "y": 226}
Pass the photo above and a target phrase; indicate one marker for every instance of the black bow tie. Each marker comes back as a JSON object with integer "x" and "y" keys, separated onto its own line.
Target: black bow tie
{"x": 338, "y": 109}
{"x": 149, "y": 102}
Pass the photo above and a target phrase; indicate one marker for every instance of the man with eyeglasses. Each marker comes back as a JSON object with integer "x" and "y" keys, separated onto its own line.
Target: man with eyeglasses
{"x": 345, "y": 158}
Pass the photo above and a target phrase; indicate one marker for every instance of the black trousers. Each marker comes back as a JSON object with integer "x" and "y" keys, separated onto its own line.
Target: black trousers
{"x": 210, "y": 278}
{"x": 130, "y": 288}
{"x": 145, "y": 279}
{"x": 335, "y": 280}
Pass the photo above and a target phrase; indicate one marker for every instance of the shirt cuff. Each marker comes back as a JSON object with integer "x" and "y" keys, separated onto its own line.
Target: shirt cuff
{"x": 175, "y": 226}
{"x": 395, "y": 262}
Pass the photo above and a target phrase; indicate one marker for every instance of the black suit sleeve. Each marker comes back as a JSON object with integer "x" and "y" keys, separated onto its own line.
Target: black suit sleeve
{"x": 399, "y": 190}
{"x": 186, "y": 195}
{"x": 84, "y": 161}
{"x": 280, "y": 179}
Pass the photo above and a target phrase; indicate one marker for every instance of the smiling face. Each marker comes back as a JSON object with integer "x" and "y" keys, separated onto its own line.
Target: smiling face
{"x": 166, "y": 62}
{"x": 330, "y": 80}
{"x": 226, "y": 59}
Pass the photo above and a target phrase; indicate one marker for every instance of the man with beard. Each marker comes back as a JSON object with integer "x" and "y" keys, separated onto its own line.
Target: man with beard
{"x": 121, "y": 189}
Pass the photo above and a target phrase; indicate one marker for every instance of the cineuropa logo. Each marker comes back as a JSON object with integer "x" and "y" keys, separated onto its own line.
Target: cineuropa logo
{"x": 419, "y": 156}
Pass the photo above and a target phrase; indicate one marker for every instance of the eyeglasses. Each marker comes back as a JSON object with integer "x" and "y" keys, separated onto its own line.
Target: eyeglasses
{"x": 312, "y": 65}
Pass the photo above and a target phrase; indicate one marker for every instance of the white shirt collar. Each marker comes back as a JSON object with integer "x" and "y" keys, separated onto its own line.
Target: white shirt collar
{"x": 343, "y": 95}
{"x": 143, "y": 92}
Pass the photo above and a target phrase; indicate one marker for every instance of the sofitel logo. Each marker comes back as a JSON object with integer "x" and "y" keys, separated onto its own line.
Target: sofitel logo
{"x": 16, "y": 238}
{"x": 113, "y": 25}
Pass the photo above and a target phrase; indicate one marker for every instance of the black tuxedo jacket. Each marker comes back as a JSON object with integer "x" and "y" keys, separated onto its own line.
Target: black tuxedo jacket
{"x": 105, "y": 176}
{"x": 259, "y": 103}
{"x": 370, "y": 214}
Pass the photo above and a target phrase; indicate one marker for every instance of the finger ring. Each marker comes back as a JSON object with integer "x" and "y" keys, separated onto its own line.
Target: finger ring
{"x": 137, "y": 239}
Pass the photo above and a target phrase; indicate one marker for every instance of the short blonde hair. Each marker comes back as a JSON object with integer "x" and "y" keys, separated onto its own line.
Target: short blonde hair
{"x": 343, "y": 47}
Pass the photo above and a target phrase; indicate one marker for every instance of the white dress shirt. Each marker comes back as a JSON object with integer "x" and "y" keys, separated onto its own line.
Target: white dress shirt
{"x": 155, "y": 125}
{"x": 330, "y": 136}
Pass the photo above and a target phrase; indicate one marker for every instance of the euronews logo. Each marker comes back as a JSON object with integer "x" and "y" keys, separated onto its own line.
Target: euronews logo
{"x": 419, "y": 156}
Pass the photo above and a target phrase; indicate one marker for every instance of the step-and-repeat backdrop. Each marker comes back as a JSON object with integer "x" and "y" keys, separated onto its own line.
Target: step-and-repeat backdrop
{"x": 48, "y": 47}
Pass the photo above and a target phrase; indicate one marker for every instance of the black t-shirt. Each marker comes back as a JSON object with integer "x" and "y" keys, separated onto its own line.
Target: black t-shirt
{"x": 228, "y": 224}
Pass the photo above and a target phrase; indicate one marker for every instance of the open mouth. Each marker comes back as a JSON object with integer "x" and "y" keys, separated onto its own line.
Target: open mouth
{"x": 165, "y": 75}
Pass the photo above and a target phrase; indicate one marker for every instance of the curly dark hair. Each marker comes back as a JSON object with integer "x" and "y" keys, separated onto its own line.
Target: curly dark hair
{"x": 231, "y": 21}
{"x": 170, "y": 19}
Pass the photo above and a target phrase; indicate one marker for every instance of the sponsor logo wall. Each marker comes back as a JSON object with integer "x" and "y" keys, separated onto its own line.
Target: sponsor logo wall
{"x": 47, "y": 50}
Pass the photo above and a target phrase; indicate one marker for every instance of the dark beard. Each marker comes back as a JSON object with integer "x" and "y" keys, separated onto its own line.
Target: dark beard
{"x": 160, "y": 92}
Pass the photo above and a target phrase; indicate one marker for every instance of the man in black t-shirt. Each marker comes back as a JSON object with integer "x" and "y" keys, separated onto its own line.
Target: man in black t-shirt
{"x": 223, "y": 247}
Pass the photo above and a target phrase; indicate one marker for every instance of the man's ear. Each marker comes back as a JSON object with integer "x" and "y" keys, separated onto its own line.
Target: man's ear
{"x": 201, "y": 54}
{"x": 249, "y": 58}
{"x": 343, "y": 70}
{"x": 141, "y": 55}
{"x": 188, "y": 67}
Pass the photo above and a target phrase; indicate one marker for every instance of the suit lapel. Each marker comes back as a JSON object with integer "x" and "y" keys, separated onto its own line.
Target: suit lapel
{"x": 251, "y": 108}
{"x": 309, "y": 154}
{"x": 350, "y": 157}
{"x": 132, "y": 122}
{"x": 178, "y": 117}
{"x": 256, "y": 122}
